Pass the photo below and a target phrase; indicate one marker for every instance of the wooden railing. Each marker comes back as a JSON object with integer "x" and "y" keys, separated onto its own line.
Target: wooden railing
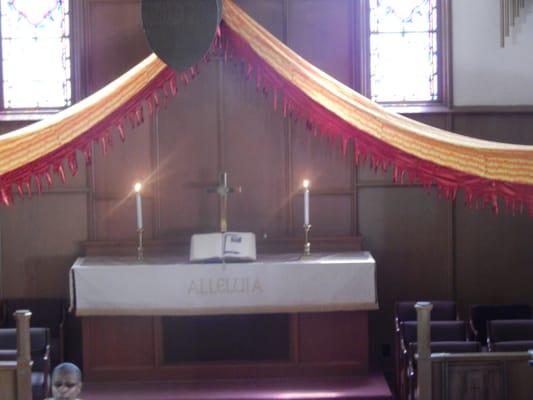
{"x": 15, "y": 376}
{"x": 469, "y": 376}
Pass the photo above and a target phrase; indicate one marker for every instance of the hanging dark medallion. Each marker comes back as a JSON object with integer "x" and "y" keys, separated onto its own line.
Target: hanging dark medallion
{"x": 180, "y": 32}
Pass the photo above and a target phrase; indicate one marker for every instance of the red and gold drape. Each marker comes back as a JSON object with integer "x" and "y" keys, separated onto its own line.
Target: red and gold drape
{"x": 485, "y": 170}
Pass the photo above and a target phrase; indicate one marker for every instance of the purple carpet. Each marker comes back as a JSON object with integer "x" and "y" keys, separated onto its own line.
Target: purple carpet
{"x": 371, "y": 387}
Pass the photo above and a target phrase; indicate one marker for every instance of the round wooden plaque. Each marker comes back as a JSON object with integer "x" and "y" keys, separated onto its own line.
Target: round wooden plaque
{"x": 180, "y": 32}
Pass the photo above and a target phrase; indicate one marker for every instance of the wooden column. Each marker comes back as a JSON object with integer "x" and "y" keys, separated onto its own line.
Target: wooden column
{"x": 423, "y": 338}
{"x": 23, "y": 355}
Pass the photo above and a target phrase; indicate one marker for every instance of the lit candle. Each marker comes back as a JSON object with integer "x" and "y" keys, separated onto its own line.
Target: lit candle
{"x": 138, "y": 188}
{"x": 306, "y": 201}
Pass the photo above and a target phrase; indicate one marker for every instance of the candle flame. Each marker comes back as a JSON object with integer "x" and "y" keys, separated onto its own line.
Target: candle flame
{"x": 138, "y": 186}
{"x": 306, "y": 183}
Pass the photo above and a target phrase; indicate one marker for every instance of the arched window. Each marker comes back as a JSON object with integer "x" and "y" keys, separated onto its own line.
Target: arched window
{"x": 36, "y": 55}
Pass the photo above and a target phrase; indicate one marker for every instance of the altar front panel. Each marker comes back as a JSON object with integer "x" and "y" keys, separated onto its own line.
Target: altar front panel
{"x": 172, "y": 286}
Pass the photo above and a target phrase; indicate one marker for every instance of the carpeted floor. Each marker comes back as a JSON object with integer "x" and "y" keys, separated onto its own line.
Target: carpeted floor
{"x": 371, "y": 387}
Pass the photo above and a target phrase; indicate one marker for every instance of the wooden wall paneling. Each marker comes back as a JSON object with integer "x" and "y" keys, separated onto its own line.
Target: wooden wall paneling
{"x": 322, "y": 34}
{"x": 115, "y": 173}
{"x": 476, "y": 381}
{"x": 126, "y": 162}
{"x": 336, "y": 336}
{"x": 516, "y": 128}
{"x": 116, "y": 217}
{"x": 312, "y": 29}
{"x": 494, "y": 255}
{"x": 254, "y": 155}
{"x": 263, "y": 171}
{"x": 329, "y": 215}
{"x": 130, "y": 338}
{"x": 497, "y": 247}
{"x": 40, "y": 241}
{"x": 115, "y": 39}
{"x": 187, "y": 134}
{"x": 268, "y": 13}
{"x": 405, "y": 229}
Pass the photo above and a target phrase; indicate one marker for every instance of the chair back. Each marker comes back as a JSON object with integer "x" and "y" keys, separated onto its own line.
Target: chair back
{"x": 480, "y": 314}
{"x": 449, "y": 347}
{"x": 45, "y": 313}
{"x": 510, "y": 330}
{"x": 442, "y": 311}
{"x": 441, "y": 331}
{"x": 39, "y": 344}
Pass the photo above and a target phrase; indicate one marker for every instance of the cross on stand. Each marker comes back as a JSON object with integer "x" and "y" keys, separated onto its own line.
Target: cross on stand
{"x": 222, "y": 189}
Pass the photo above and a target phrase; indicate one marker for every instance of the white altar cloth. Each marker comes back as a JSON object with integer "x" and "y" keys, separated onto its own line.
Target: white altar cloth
{"x": 173, "y": 286}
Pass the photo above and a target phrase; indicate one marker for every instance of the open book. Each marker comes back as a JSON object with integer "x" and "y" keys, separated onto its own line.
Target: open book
{"x": 223, "y": 246}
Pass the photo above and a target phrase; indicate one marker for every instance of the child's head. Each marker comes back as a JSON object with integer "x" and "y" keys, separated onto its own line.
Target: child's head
{"x": 66, "y": 382}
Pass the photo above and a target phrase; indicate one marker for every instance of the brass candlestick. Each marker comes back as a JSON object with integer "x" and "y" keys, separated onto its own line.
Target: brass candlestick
{"x": 140, "y": 249}
{"x": 307, "y": 243}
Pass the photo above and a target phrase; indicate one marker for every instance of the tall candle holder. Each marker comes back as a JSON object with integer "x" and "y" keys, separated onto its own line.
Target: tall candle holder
{"x": 140, "y": 248}
{"x": 138, "y": 203}
{"x": 307, "y": 225}
{"x": 307, "y": 243}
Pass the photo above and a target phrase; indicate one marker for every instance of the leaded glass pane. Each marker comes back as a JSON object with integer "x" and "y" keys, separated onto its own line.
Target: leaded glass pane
{"x": 403, "y": 50}
{"x": 35, "y": 53}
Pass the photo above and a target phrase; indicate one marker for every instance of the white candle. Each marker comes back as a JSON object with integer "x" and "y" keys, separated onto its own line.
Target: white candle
{"x": 138, "y": 199}
{"x": 306, "y": 201}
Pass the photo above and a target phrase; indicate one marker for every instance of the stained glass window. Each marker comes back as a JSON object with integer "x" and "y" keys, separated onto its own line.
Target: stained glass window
{"x": 403, "y": 50}
{"x": 35, "y": 53}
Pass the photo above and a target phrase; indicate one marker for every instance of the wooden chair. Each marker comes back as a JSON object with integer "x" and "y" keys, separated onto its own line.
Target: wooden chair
{"x": 510, "y": 335}
{"x": 46, "y": 313}
{"x": 480, "y": 314}
{"x": 40, "y": 356}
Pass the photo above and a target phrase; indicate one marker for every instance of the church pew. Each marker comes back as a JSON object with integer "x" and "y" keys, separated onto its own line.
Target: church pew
{"x": 486, "y": 375}
{"x": 45, "y": 313}
{"x": 443, "y": 310}
{"x": 510, "y": 335}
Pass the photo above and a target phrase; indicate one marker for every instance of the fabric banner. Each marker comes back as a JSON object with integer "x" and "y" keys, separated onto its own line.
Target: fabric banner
{"x": 172, "y": 286}
{"x": 486, "y": 171}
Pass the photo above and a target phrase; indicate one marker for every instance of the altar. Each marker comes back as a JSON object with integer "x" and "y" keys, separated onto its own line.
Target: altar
{"x": 165, "y": 318}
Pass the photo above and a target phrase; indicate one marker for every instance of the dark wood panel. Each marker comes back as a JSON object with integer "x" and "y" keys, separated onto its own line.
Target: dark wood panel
{"x": 40, "y": 238}
{"x": 180, "y": 245}
{"x": 408, "y": 232}
{"x": 188, "y": 156}
{"x": 323, "y": 34}
{"x": 126, "y": 342}
{"x": 134, "y": 341}
{"x": 115, "y": 39}
{"x": 254, "y": 154}
{"x": 500, "y": 127}
{"x": 116, "y": 172}
{"x": 320, "y": 160}
{"x": 268, "y": 13}
{"x": 475, "y": 381}
{"x": 496, "y": 250}
{"x": 328, "y": 337}
{"x": 328, "y": 215}
{"x": 117, "y": 218}
{"x": 225, "y": 338}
